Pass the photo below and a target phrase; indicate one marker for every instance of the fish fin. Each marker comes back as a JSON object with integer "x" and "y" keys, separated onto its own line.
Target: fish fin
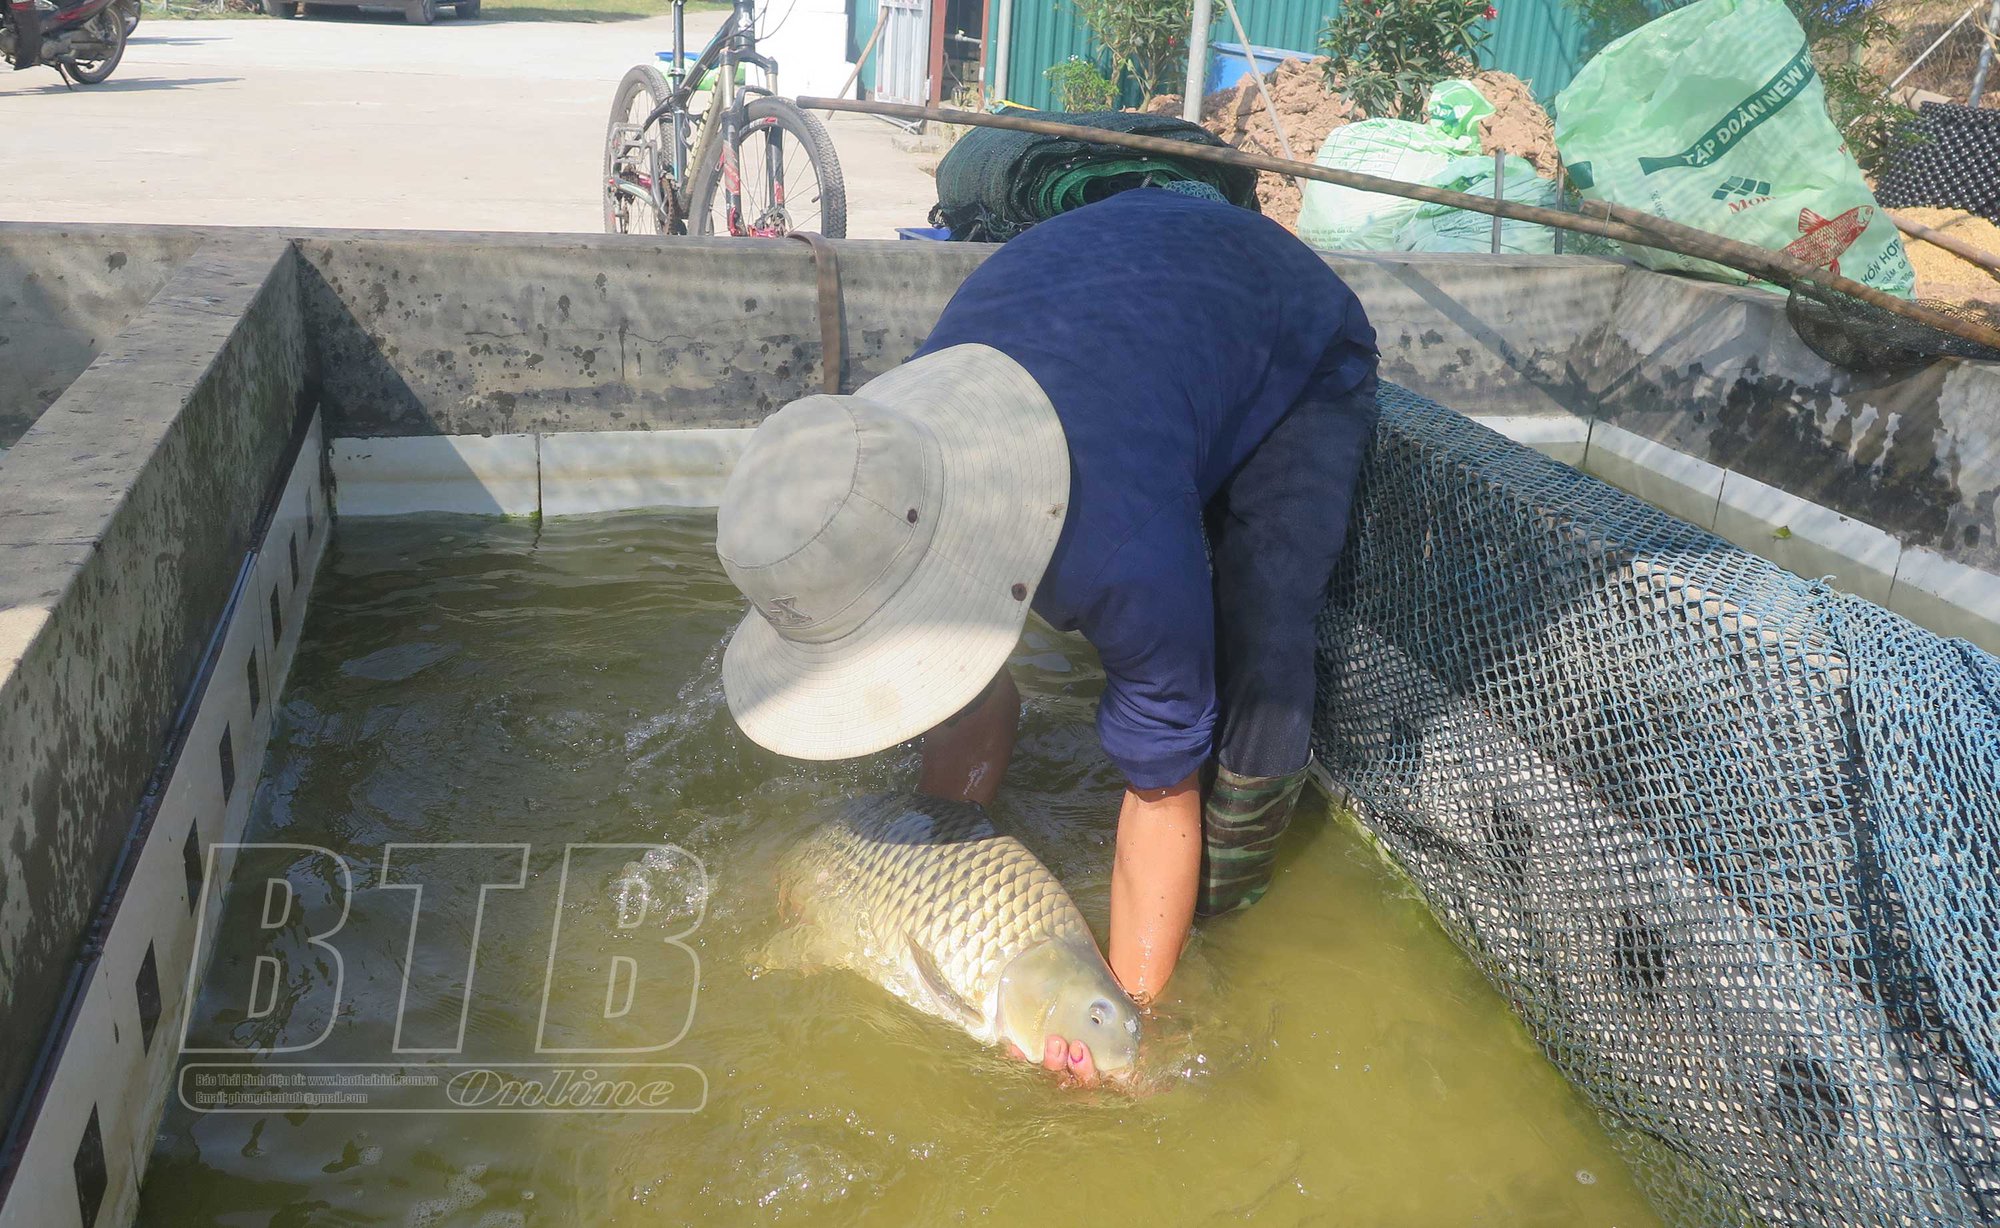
{"x": 796, "y": 948}
{"x": 941, "y": 992}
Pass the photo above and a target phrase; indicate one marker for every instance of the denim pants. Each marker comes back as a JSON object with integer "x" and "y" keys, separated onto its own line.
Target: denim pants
{"x": 1276, "y": 530}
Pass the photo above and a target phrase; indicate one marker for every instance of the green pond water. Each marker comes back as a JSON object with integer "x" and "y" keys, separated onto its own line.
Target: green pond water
{"x": 1327, "y": 1057}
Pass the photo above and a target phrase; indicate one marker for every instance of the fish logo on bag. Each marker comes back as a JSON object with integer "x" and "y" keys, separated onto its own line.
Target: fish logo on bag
{"x": 1822, "y": 239}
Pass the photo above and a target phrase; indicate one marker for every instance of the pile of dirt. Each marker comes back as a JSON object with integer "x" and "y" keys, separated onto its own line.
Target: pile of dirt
{"x": 1309, "y": 110}
{"x": 1518, "y": 124}
{"x": 1306, "y": 108}
{"x": 1943, "y": 277}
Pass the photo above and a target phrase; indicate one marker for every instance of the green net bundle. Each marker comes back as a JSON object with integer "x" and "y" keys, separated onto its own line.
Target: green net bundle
{"x": 997, "y": 182}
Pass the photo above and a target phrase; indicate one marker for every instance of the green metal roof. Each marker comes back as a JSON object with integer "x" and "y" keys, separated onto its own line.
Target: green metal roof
{"x": 1540, "y": 41}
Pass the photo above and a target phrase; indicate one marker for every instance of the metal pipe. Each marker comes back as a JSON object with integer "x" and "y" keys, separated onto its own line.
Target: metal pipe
{"x": 1499, "y": 193}
{"x": 1951, "y": 30}
{"x": 1270, "y": 108}
{"x": 1197, "y": 62}
{"x": 1600, "y": 217}
{"x": 680, "y": 120}
{"x": 1985, "y": 56}
{"x": 1003, "y": 37}
{"x": 1621, "y": 231}
{"x": 1562, "y": 190}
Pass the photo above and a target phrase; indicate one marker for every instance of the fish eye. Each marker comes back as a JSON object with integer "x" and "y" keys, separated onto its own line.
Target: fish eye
{"x": 1098, "y": 1010}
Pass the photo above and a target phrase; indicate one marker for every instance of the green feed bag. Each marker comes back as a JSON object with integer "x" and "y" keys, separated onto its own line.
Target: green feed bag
{"x": 1335, "y": 218}
{"x": 1455, "y": 109}
{"x": 1441, "y": 228}
{"x": 1714, "y": 116}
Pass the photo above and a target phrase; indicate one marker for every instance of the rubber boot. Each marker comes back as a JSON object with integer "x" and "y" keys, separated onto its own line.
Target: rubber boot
{"x": 1240, "y": 825}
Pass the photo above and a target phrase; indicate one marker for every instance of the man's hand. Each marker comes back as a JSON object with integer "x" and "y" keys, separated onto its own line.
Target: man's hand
{"x": 1153, "y": 882}
{"x": 1070, "y": 1059}
{"x": 965, "y": 757}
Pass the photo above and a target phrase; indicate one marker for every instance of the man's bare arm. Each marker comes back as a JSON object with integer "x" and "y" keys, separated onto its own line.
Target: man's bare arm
{"x": 1153, "y": 883}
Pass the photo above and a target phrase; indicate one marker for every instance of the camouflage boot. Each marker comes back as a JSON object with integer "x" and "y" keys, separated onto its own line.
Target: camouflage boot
{"x": 1240, "y": 825}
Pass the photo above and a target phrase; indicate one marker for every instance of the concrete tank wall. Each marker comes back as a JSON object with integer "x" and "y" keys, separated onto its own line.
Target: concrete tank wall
{"x": 63, "y": 295}
{"x": 1718, "y": 374}
{"x": 493, "y": 335}
{"x": 1697, "y": 396}
{"x": 124, "y": 516}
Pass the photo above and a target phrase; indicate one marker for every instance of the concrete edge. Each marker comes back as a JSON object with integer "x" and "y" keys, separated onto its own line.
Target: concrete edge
{"x": 1805, "y": 538}
{"x": 479, "y": 475}
{"x": 128, "y": 507}
{"x": 1672, "y": 481}
{"x": 118, "y": 1061}
{"x": 587, "y": 472}
{"x": 1948, "y": 597}
{"x": 579, "y": 473}
{"x": 551, "y": 474}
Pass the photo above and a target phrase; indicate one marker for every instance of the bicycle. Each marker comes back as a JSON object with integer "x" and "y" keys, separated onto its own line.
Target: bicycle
{"x": 749, "y": 151}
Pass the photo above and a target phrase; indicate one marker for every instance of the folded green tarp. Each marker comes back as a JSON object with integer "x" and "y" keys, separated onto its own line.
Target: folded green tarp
{"x": 997, "y": 182}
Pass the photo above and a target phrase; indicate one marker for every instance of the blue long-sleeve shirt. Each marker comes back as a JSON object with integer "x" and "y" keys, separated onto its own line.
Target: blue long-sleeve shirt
{"x": 1170, "y": 334}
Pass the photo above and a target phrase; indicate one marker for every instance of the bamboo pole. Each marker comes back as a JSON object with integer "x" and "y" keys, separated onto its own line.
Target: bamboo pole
{"x": 875, "y": 35}
{"x": 1951, "y": 243}
{"x": 1263, "y": 91}
{"x": 1598, "y": 218}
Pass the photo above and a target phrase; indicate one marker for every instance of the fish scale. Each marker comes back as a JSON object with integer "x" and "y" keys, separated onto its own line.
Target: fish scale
{"x": 895, "y": 872}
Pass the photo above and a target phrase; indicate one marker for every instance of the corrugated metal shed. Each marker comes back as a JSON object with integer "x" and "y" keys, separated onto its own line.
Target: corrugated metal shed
{"x": 861, "y": 17}
{"x": 1046, "y": 32}
{"x": 1540, "y": 41}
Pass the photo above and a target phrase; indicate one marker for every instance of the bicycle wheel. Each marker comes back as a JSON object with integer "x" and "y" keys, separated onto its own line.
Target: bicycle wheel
{"x": 788, "y": 177}
{"x": 638, "y": 165}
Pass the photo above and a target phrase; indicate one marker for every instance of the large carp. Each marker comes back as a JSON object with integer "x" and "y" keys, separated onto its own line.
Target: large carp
{"x": 925, "y": 898}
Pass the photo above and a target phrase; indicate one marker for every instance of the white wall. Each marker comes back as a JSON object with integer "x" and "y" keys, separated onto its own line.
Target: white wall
{"x": 810, "y": 45}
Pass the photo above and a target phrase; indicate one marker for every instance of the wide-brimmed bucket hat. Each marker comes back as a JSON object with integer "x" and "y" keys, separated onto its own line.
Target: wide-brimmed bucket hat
{"x": 889, "y": 542}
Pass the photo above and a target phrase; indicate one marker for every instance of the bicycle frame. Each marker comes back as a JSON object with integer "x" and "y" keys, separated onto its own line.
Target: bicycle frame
{"x": 734, "y": 44}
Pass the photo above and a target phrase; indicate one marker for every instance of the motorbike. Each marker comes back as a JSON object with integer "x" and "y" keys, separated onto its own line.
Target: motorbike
{"x": 81, "y": 39}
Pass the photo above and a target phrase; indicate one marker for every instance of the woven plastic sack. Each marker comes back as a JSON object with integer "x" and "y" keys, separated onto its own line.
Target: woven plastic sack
{"x": 1335, "y": 218}
{"x": 1441, "y": 228}
{"x": 1714, "y": 116}
{"x": 1455, "y": 108}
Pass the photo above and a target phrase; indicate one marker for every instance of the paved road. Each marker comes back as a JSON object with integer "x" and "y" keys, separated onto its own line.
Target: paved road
{"x": 365, "y": 121}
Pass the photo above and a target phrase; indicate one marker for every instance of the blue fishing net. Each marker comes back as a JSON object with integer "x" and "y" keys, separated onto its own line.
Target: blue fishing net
{"x": 1727, "y": 839}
